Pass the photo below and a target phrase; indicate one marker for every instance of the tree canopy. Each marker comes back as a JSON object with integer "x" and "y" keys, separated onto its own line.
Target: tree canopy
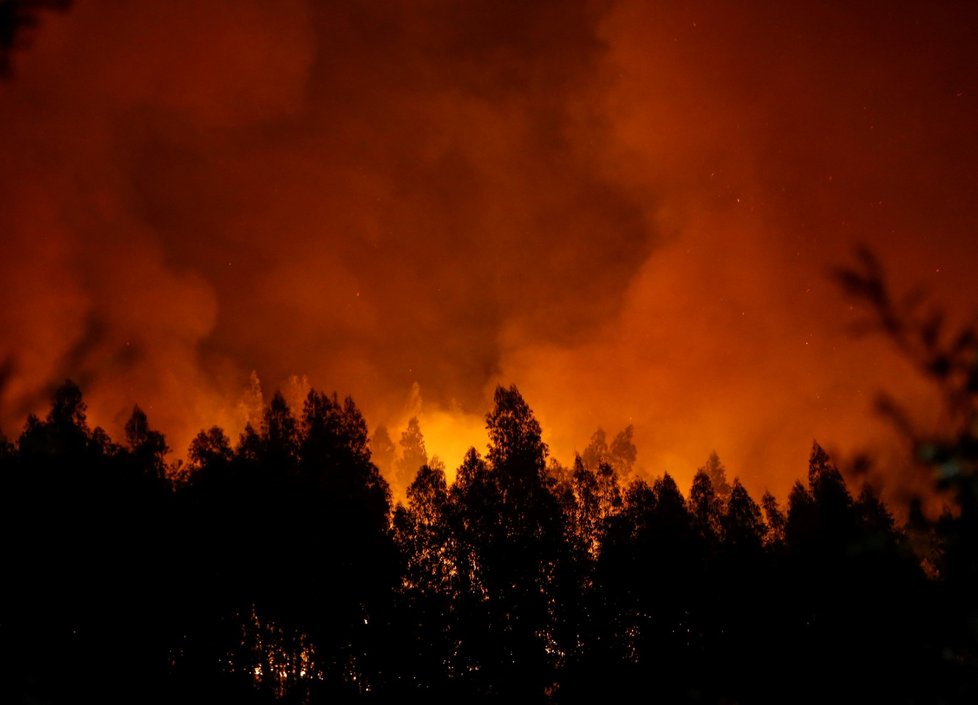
{"x": 277, "y": 569}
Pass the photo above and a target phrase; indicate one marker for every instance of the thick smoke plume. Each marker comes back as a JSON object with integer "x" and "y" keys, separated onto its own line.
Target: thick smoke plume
{"x": 627, "y": 209}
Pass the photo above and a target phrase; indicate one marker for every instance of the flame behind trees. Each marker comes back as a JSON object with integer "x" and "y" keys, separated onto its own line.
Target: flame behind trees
{"x": 277, "y": 569}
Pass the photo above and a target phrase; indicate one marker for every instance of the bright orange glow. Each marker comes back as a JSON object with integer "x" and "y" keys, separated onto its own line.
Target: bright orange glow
{"x": 626, "y": 209}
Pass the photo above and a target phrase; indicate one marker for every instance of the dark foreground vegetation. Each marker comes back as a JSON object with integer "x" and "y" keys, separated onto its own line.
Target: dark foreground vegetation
{"x": 277, "y": 570}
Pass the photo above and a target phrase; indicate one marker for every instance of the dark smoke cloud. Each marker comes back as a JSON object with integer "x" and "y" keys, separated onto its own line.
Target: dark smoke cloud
{"x": 626, "y": 208}
{"x": 374, "y": 195}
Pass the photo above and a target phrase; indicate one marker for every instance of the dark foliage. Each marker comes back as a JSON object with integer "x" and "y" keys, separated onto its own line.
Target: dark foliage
{"x": 276, "y": 570}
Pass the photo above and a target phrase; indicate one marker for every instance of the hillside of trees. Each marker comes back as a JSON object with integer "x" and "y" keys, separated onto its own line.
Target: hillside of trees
{"x": 276, "y": 569}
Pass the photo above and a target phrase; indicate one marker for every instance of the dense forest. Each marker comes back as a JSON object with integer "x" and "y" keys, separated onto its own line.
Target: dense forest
{"x": 276, "y": 569}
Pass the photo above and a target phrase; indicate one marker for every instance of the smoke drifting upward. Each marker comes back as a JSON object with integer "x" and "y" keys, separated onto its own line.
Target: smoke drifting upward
{"x": 627, "y": 209}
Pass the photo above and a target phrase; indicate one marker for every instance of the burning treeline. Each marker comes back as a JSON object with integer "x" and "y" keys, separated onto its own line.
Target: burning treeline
{"x": 277, "y": 569}
{"x": 640, "y": 197}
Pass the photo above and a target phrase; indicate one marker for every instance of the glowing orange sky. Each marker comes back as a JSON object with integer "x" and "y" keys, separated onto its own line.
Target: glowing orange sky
{"x": 628, "y": 209}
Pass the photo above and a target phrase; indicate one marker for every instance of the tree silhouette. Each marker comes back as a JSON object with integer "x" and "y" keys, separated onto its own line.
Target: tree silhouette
{"x": 596, "y": 451}
{"x": 511, "y": 546}
{"x": 382, "y": 450}
{"x": 743, "y": 527}
{"x": 84, "y": 521}
{"x": 774, "y": 519}
{"x": 147, "y": 447}
{"x": 717, "y": 473}
{"x": 947, "y": 453}
{"x": 595, "y": 498}
{"x": 276, "y": 571}
{"x": 413, "y": 454}
{"x": 423, "y": 528}
{"x": 431, "y": 589}
{"x": 279, "y": 436}
{"x": 622, "y": 453}
{"x": 210, "y": 449}
{"x": 706, "y": 507}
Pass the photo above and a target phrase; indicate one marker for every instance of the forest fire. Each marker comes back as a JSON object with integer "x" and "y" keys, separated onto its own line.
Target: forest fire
{"x": 564, "y": 256}
{"x": 599, "y": 206}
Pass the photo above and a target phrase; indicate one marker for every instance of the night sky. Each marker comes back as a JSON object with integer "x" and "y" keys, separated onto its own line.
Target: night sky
{"x": 629, "y": 209}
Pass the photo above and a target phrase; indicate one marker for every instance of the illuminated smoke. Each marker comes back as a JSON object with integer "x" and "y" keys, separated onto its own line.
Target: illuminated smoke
{"x": 627, "y": 209}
